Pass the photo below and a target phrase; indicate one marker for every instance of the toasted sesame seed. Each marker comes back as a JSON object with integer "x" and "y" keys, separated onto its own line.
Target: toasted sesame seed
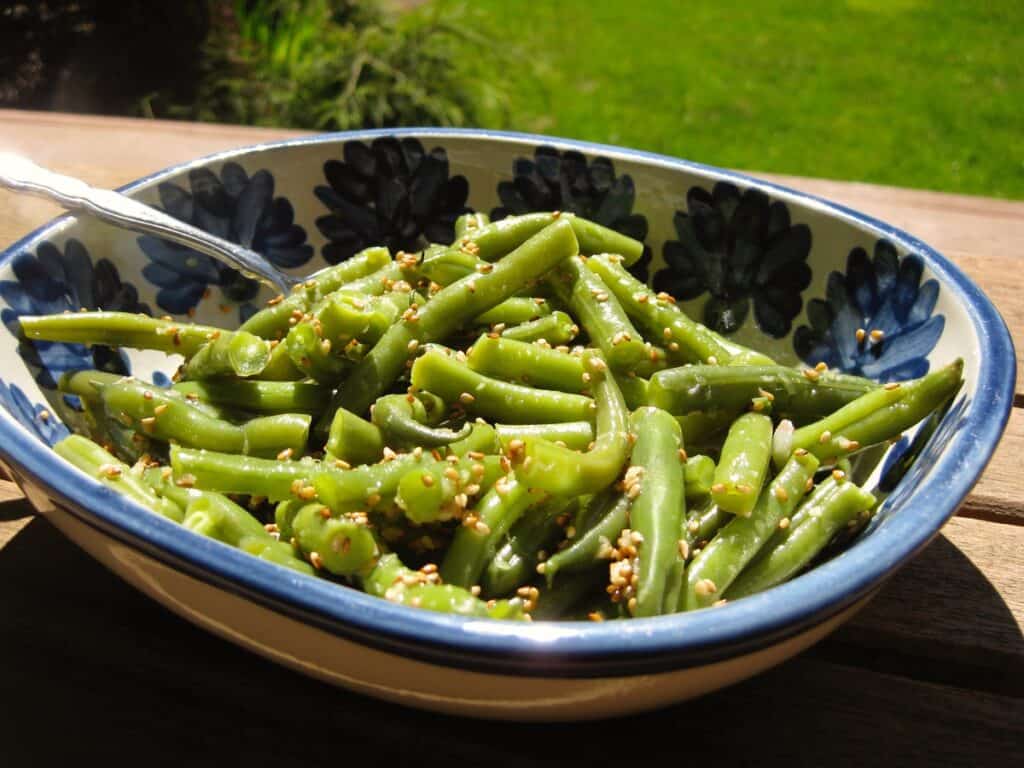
{"x": 781, "y": 494}
{"x": 159, "y": 409}
{"x": 712, "y": 360}
{"x": 316, "y": 561}
{"x": 860, "y": 335}
{"x": 427, "y": 480}
{"x": 784, "y": 523}
{"x": 373, "y": 499}
{"x": 705, "y": 587}
{"x": 718, "y": 488}
{"x": 811, "y": 374}
{"x": 285, "y": 454}
{"x": 877, "y": 335}
{"x": 838, "y": 475}
{"x": 892, "y": 385}
{"x": 342, "y": 464}
{"x": 825, "y": 437}
{"x": 821, "y": 367}
{"x": 186, "y": 481}
{"x": 466, "y": 398}
{"x": 147, "y": 395}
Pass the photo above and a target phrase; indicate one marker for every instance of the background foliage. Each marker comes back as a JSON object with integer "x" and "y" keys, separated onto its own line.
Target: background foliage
{"x": 924, "y": 93}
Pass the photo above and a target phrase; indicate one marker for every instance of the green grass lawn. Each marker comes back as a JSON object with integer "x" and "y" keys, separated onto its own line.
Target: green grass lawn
{"x": 918, "y": 93}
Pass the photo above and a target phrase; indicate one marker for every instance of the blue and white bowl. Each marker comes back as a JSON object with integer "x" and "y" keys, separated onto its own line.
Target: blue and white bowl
{"x": 776, "y": 269}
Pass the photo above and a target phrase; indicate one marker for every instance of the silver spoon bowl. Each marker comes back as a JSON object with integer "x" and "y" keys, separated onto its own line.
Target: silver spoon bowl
{"x": 22, "y": 175}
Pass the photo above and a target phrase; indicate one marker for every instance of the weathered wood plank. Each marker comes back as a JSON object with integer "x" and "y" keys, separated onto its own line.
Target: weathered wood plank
{"x": 999, "y": 494}
{"x": 955, "y": 612}
{"x": 139, "y": 678}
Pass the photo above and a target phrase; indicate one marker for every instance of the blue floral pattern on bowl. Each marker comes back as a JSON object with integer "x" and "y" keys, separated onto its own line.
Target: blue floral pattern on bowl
{"x": 740, "y": 248}
{"x": 236, "y": 207}
{"x": 53, "y": 281}
{"x": 35, "y": 417}
{"x": 567, "y": 181}
{"x": 876, "y": 319}
{"x": 391, "y": 192}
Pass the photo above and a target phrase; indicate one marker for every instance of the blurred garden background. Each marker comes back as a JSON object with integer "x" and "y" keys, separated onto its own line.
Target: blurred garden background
{"x": 917, "y": 93}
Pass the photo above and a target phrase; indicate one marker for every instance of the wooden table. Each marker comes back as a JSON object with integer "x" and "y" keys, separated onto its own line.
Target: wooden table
{"x": 932, "y": 672}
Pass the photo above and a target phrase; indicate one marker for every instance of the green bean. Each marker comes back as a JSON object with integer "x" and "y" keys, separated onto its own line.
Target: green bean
{"x": 599, "y": 313}
{"x": 392, "y": 581}
{"x": 468, "y": 222}
{"x": 609, "y": 512}
{"x": 532, "y": 364}
{"x": 273, "y": 321}
{"x": 392, "y": 278}
{"x": 803, "y": 395}
{"x": 102, "y": 466}
{"x": 280, "y": 366}
{"x": 825, "y": 513}
{"x": 563, "y": 472}
{"x": 373, "y": 374}
{"x": 449, "y": 309}
{"x": 514, "y": 311}
{"x": 259, "y": 396}
{"x": 230, "y": 473}
{"x": 403, "y": 422}
{"x": 498, "y": 238}
{"x": 656, "y": 478}
{"x": 343, "y": 546}
{"x": 443, "y": 374}
{"x": 702, "y": 524}
{"x": 743, "y": 465}
{"x": 715, "y": 568}
{"x": 873, "y": 418}
{"x": 457, "y": 304}
{"x": 88, "y": 384}
{"x": 634, "y": 390}
{"x": 168, "y": 416}
{"x": 441, "y": 490}
{"x": 285, "y": 512}
{"x": 353, "y": 439}
{"x": 444, "y": 265}
{"x": 216, "y": 516}
{"x": 483, "y": 438}
{"x": 238, "y": 354}
{"x": 575, "y": 435}
{"x": 474, "y": 545}
{"x": 515, "y": 562}
{"x": 688, "y": 341}
{"x": 120, "y": 329}
{"x": 699, "y": 476}
{"x": 556, "y": 328}
{"x": 495, "y": 240}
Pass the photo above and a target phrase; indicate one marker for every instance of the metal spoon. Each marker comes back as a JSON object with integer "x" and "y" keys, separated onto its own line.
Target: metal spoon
{"x": 22, "y": 175}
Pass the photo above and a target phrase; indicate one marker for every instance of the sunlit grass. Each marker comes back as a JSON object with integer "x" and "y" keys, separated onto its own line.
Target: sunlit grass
{"x": 919, "y": 93}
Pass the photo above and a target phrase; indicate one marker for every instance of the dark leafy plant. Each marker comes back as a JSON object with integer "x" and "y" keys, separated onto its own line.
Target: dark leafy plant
{"x": 341, "y": 64}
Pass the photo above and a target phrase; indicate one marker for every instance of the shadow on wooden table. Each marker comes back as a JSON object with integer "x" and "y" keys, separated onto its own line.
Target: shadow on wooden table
{"x": 93, "y": 668}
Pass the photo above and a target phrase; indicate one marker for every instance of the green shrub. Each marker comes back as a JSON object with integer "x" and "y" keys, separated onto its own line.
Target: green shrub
{"x": 342, "y": 64}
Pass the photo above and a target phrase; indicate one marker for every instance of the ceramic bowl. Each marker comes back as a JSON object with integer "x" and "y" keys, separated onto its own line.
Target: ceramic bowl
{"x": 773, "y": 268}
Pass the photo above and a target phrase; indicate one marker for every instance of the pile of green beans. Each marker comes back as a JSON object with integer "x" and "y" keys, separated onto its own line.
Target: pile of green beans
{"x": 508, "y": 426}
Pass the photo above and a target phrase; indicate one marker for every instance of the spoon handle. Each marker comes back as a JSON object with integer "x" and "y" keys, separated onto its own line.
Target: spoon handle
{"x": 22, "y": 175}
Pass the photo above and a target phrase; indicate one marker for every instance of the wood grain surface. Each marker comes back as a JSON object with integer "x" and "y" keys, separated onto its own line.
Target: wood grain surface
{"x": 931, "y": 672}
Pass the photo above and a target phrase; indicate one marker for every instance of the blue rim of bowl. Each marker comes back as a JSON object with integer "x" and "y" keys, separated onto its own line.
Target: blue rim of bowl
{"x": 567, "y": 649}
